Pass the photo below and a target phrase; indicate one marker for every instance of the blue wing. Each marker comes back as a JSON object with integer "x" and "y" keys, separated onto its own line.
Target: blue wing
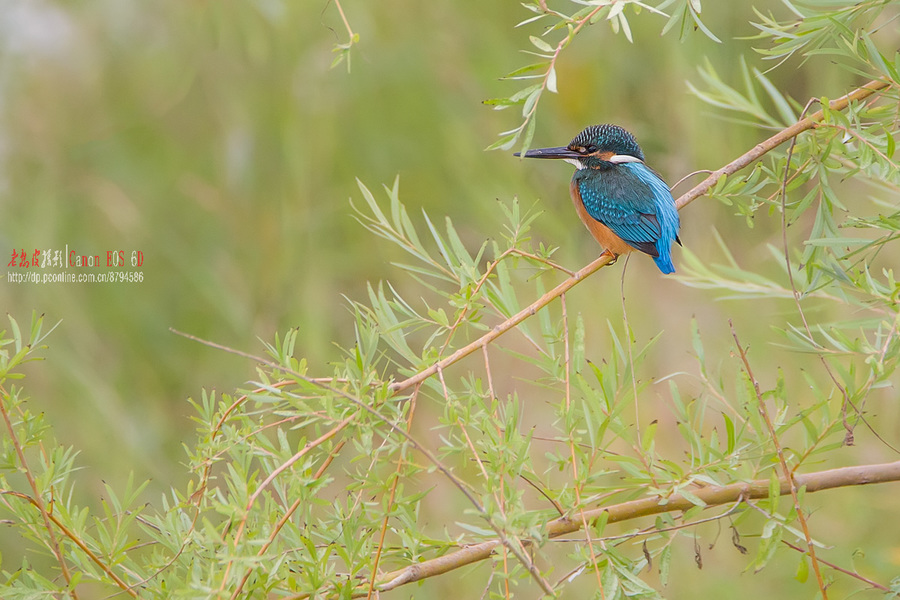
{"x": 636, "y": 205}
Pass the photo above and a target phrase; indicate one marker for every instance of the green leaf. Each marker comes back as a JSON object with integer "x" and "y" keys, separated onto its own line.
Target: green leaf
{"x": 768, "y": 545}
{"x": 540, "y": 44}
{"x": 665, "y": 562}
{"x": 774, "y": 492}
{"x": 504, "y": 143}
{"x": 729, "y": 431}
{"x": 529, "y": 134}
{"x": 693, "y": 499}
{"x": 526, "y": 69}
{"x": 578, "y": 344}
{"x": 781, "y": 104}
{"x": 802, "y": 573}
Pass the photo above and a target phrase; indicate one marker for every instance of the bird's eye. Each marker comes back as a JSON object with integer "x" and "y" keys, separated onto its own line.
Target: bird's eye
{"x": 591, "y": 149}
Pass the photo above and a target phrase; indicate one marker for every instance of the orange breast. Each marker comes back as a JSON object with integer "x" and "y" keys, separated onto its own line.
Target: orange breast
{"x": 603, "y": 234}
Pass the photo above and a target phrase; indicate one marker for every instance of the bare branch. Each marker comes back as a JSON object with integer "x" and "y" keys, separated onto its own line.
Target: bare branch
{"x": 704, "y": 186}
{"x": 626, "y": 511}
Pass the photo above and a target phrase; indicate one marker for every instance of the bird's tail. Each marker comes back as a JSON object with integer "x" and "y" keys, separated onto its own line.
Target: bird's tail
{"x": 664, "y": 262}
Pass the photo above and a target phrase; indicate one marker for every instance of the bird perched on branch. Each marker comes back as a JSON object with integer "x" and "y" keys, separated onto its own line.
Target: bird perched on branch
{"x": 623, "y": 202}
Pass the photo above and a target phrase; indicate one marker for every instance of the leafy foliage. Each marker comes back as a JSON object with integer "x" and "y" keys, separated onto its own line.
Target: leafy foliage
{"x": 683, "y": 15}
{"x": 336, "y": 484}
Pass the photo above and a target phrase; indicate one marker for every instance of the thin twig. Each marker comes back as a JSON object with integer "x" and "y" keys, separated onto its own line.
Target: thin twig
{"x": 543, "y": 493}
{"x": 484, "y": 278}
{"x": 273, "y": 475}
{"x": 688, "y": 176}
{"x": 796, "y": 293}
{"x": 344, "y": 19}
{"x": 574, "y": 26}
{"x": 284, "y": 519}
{"x": 39, "y": 503}
{"x": 128, "y": 589}
{"x": 606, "y": 258}
{"x": 786, "y": 471}
{"x": 711, "y": 495}
{"x": 529, "y": 311}
{"x": 638, "y": 447}
{"x": 848, "y": 428}
{"x": 852, "y": 574}
{"x": 574, "y": 455}
{"x": 393, "y": 494}
{"x": 860, "y": 93}
{"x": 626, "y": 511}
{"x": 456, "y": 481}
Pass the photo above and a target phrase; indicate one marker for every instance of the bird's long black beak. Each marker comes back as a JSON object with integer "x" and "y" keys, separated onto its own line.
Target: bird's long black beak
{"x": 562, "y": 152}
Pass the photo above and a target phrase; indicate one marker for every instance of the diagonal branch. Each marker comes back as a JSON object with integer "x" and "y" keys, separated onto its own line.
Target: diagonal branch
{"x": 529, "y": 311}
{"x": 700, "y": 189}
{"x": 37, "y": 499}
{"x": 860, "y": 93}
{"x": 848, "y": 572}
{"x": 786, "y": 471}
{"x": 284, "y": 519}
{"x": 272, "y": 476}
{"x": 76, "y": 539}
{"x": 626, "y": 511}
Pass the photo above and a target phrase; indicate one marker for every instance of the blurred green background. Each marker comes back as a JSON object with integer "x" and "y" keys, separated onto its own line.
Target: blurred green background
{"x": 214, "y": 138}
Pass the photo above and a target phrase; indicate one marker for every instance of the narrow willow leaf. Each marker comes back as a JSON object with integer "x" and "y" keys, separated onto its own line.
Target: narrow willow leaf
{"x": 526, "y": 69}
{"x": 500, "y": 103}
{"x": 696, "y": 17}
{"x": 692, "y": 498}
{"x": 781, "y": 104}
{"x": 729, "y": 431}
{"x": 615, "y": 10}
{"x": 530, "y": 20}
{"x": 665, "y": 561}
{"x": 540, "y": 44}
{"x": 578, "y": 344}
{"x": 529, "y": 134}
{"x": 802, "y": 573}
{"x": 504, "y": 143}
{"x": 626, "y": 28}
{"x": 530, "y": 102}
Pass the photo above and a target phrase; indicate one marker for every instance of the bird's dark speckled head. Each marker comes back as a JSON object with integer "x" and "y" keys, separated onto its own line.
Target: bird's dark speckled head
{"x": 602, "y": 139}
{"x": 597, "y": 147}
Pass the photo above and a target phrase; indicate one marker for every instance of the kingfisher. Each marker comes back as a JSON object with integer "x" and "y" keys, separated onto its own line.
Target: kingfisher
{"x": 624, "y": 203}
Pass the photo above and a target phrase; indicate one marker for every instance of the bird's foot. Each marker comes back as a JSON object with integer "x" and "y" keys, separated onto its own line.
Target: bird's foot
{"x": 613, "y": 256}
